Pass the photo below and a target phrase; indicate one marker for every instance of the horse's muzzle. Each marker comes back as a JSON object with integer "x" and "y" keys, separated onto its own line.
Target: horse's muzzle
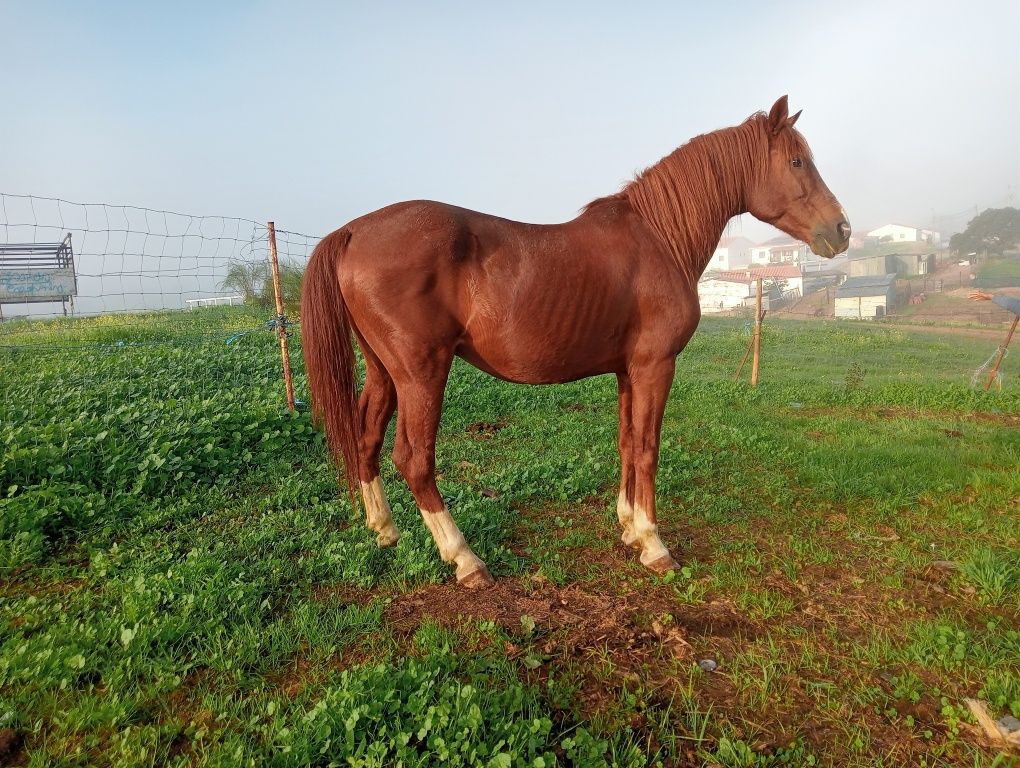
{"x": 831, "y": 240}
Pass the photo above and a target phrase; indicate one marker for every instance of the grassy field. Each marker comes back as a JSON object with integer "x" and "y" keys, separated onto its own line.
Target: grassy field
{"x": 182, "y": 583}
{"x": 999, "y": 271}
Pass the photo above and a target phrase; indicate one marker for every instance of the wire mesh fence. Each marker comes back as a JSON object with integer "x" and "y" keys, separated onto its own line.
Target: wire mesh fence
{"x": 132, "y": 259}
{"x": 162, "y": 304}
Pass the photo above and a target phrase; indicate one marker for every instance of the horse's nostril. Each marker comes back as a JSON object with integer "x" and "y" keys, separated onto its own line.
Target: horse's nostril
{"x": 843, "y": 228}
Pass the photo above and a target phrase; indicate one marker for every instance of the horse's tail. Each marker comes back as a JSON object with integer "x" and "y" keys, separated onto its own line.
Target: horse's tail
{"x": 329, "y": 354}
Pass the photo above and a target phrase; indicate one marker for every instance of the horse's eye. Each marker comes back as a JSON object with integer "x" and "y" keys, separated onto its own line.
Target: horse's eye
{"x": 797, "y": 163}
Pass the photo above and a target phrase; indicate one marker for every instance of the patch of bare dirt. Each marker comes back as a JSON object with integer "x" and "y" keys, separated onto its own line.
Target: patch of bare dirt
{"x": 292, "y": 678}
{"x": 181, "y": 745}
{"x": 505, "y": 603}
{"x": 344, "y": 594}
{"x": 12, "y": 747}
{"x": 483, "y": 430}
{"x": 718, "y": 618}
{"x": 571, "y": 619}
{"x": 19, "y": 586}
{"x": 978, "y": 417}
{"x": 615, "y": 640}
{"x": 180, "y": 702}
{"x": 301, "y": 671}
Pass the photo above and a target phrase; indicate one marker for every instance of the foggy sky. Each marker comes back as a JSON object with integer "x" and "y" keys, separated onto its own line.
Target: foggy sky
{"x": 314, "y": 113}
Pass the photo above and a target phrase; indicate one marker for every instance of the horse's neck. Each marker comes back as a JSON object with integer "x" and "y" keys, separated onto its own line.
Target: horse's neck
{"x": 713, "y": 235}
{"x": 689, "y": 196}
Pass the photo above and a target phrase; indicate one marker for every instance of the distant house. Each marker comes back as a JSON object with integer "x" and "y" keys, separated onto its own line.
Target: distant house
{"x": 720, "y": 294}
{"x": 786, "y": 277}
{"x": 723, "y": 291}
{"x": 731, "y": 253}
{"x": 901, "y": 233}
{"x": 903, "y": 264}
{"x": 872, "y": 265}
{"x": 817, "y": 280}
{"x": 780, "y": 250}
{"x": 866, "y": 297}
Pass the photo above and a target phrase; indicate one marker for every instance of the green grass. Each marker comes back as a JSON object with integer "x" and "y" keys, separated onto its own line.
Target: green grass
{"x": 999, "y": 272}
{"x": 183, "y": 583}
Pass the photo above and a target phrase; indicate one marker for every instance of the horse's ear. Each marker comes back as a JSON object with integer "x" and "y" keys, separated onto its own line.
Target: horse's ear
{"x": 791, "y": 120}
{"x": 778, "y": 114}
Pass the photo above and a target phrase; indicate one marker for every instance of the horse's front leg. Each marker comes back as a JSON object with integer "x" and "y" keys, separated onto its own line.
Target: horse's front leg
{"x": 650, "y": 385}
{"x": 625, "y": 441}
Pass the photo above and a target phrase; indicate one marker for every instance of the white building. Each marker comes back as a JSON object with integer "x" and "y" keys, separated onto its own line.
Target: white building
{"x": 717, "y": 294}
{"x": 900, "y": 233}
{"x": 779, "y": 250}
{"x": 723, "y": 291}
{"x": 731, "y": 253}
{"x": 866, "y": 297}
{"x": 787, "y": 278}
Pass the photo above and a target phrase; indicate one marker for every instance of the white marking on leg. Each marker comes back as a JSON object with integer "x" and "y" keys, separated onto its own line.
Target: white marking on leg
{"x": 453, "y": 547}
{"x": 647, "y": 533}
{"x": 625, "y": 513}
{"x": 377, "y": 513}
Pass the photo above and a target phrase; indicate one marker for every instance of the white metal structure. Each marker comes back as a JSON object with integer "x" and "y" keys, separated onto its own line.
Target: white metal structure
{"x": 214, "y": 301}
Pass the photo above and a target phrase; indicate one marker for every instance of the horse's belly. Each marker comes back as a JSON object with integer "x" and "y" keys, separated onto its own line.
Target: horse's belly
{"x": 534, "y": 362}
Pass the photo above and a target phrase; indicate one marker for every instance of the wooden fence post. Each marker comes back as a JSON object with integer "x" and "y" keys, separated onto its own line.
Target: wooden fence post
{"x": 1002, "y": 353}
{"x": 757, "y": 337}
{"x": 281, "y": 321}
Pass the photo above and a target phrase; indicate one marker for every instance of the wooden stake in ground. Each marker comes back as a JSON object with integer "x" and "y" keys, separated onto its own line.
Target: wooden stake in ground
{"x": 281, "y": 323}
{"x": 1002, "y": 353}
{"x": 757, "y": 337}
{"x": 747, "y": 352}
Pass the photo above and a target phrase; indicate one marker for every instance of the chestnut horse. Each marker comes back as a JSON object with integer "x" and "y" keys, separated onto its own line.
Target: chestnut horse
{"x": 615, "y": 290}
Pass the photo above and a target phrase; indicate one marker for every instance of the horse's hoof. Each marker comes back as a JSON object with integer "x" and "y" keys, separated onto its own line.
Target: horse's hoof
{"x": 630, "y": 540}
{"x": 662, "y": 565}
{"x": 479, "y": 579}
{"x": 387, "y": 538}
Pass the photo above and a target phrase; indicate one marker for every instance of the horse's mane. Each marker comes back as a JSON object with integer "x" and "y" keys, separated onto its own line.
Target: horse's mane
{"x": 688, "y": 196}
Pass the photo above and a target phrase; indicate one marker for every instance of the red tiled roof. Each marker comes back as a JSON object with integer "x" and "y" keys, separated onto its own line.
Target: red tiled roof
{"x": 782, "y": 271}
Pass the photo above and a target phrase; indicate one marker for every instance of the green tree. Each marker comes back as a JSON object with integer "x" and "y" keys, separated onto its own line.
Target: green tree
{"x": 248, "y": 278}
{"x": 993, "y": 230}
{"x": 292, "y": 279}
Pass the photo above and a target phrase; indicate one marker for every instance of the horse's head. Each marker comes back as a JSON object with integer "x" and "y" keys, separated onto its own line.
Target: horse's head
{"x": 791, "y": 194}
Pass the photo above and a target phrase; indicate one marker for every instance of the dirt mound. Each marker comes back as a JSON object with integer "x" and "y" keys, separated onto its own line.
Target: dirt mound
{"x": 569, "y": 619}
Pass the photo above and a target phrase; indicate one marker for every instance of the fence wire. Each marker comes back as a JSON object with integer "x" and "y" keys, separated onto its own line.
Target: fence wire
{"x": 133, "y": 259}
{"x": 159, "y": 296}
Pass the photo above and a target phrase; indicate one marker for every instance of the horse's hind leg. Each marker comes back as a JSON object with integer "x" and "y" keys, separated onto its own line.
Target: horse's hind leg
{"x": 421, "y": 402}
{"x": 375, "y": 409}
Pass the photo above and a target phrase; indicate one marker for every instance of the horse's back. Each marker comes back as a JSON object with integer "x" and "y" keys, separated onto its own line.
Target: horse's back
{"x": 534, "y": 303}
{"x": 435, "y": 228}
{"x": 424, "y": 250}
